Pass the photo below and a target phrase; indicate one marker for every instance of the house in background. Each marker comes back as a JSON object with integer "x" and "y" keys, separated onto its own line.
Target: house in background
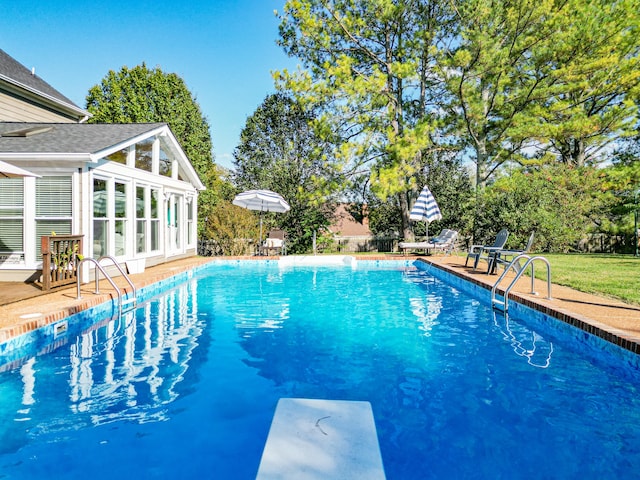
{"x": 354, "y": 235}
{"x": 128, "y": 189}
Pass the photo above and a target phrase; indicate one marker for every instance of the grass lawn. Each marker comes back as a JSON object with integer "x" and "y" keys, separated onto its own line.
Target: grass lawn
{"x": 616, "y": 276}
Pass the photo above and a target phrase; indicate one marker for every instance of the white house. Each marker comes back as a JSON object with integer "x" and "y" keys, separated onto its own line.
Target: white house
{"x": 129, "y": 189}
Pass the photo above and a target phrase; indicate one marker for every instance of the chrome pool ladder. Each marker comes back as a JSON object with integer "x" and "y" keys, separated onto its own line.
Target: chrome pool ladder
{"x": 129, "y": 301}
{"x": 515, "y": 264}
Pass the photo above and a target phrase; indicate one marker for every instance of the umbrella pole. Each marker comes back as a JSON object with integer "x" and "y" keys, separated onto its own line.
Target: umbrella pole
{"x": 260, "y": 238}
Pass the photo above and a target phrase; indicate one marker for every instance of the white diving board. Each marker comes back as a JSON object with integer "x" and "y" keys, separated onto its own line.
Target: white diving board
{"x": 321, "y": 439}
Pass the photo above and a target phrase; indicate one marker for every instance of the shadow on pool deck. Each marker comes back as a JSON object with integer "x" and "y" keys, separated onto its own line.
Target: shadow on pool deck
{"x": 25, "y": 307}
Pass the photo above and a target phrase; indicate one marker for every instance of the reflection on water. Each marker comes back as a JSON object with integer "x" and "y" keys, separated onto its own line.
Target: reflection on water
{"x": 193, "y": 387}
{"x": 426, "y": 310}
{"x": 130, "y": 368}
{"x": 525, "y": 342}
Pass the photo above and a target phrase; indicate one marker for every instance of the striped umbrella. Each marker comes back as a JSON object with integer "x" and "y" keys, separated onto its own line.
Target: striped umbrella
{"x": 425, "y": 209}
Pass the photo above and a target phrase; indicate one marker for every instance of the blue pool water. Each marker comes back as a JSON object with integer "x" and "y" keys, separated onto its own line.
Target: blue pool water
{"x": 186, "y": 386}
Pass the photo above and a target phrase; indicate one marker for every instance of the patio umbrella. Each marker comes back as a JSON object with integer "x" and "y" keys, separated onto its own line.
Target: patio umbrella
{"x": 425, "y": 209}
{"x": 261, "y": 201}
{"x": 11, "y": 171}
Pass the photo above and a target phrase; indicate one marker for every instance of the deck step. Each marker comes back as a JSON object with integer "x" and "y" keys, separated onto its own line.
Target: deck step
{"x": 321, "y": 439}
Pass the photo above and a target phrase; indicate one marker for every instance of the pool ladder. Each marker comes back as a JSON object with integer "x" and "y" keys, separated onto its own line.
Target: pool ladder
{"x": 129, "y": 301}
{"x": 515, "y": 264}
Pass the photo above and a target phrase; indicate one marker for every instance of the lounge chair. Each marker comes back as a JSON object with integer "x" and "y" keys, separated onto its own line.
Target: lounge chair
{"x": 482, "y": 252}
{"x": 275, "y": 243}
{"x": 445, "y": 241}
{"x": 505, "y": 257}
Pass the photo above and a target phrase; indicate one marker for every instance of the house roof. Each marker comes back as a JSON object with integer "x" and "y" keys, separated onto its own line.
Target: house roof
{"x": 82, "y": 141}
{"x": 20, "y": 77}
{"x": 67, "y": 138}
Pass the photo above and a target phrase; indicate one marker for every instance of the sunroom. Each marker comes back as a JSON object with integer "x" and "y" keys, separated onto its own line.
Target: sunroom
{"x": 127, "y": 189}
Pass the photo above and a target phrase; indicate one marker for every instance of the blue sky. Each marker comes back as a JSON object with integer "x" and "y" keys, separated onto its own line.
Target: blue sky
{"x": 224, "y": 50}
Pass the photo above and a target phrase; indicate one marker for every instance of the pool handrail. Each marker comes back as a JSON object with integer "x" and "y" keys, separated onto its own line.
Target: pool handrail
{"x": 515, "y": 264}
{"x": 122, "y": 272}
{"x": 107, "y": 277}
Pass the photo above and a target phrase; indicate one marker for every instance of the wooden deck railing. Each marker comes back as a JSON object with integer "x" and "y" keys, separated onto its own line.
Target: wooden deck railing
{"x": 60, "y": 257}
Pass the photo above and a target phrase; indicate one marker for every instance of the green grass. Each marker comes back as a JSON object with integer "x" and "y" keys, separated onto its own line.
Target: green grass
{"x": 615, "y": 276}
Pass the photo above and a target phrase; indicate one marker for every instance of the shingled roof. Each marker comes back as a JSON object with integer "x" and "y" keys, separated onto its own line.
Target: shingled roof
{"x": 16, "y": 74}
{"x": 72, "y": 138}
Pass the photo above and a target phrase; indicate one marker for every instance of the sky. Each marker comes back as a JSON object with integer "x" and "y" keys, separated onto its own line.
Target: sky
{"x": 224, "y": 50}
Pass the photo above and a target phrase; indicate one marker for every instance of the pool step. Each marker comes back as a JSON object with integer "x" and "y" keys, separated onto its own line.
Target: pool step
{"x": 498, "y": 304}
{"x": 128, "y": 303}
{"x": 321, "y": 439}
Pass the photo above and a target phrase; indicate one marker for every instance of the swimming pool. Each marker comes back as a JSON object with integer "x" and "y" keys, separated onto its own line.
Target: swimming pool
{"x": 186, "y": 386}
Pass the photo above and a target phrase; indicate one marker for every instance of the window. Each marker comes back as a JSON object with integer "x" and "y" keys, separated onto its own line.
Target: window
{"x": 121, "y": 215}
{"x": 165, "y": 164}
{"x": 144, "y": 154}
{"x": 54, "y": 208}
{"x": 100, "y": 221}
{"x": 111, "y": 215}
{"x": 175, "y": 221}
{"x": 147, "y": 219}
{"x": 190, "y": 207}
{"x": 11, "y": 216}
{"x": 141, "y": 222}
{"x": 119, "y": 156}
{"x": 178, "y": 220}
{"x": 154, "y": 222}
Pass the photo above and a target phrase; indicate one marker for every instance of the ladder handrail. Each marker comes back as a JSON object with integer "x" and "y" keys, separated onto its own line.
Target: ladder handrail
{"x": 122, "y": 272}
{"x": 519, "y": 272}
{"x": 106, "y": 276}
{"x": 504, "y": 273}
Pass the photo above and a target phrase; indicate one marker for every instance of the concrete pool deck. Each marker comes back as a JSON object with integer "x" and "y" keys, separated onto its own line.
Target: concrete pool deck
{"x": 24, "y": 307}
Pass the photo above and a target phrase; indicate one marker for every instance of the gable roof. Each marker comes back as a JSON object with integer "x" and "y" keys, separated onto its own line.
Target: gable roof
{"x": 82, "y": 141}
{"x": 21, "y": 78}
{"x": 72, "y": 138}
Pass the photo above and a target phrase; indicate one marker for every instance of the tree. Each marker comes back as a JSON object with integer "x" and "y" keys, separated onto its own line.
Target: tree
{"x": 494, "y": 71}
{"x": 560, "y": 203}
{"x": 280, "y": 151}
{"x": 143, "y": 95}
{"x": 623, "y": 189}
{"x": 369, "y": 64}
{"x": 597, "y": 72}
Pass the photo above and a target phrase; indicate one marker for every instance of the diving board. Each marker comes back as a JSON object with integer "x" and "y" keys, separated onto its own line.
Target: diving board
{"x": 321, "y": 439}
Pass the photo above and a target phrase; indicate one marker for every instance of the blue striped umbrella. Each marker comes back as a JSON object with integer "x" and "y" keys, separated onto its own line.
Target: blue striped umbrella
{"x": 425, "y": 209}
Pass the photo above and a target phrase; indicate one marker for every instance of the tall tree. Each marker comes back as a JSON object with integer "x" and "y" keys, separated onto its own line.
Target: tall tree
{"x": 544, "y": 75}
{"x": 596, "y": 65}
{"x": 495, "y": 70}
{"x": 140, "y": 94}
{"x": 369, "y": 63}
{"x": 280, "y": 151}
